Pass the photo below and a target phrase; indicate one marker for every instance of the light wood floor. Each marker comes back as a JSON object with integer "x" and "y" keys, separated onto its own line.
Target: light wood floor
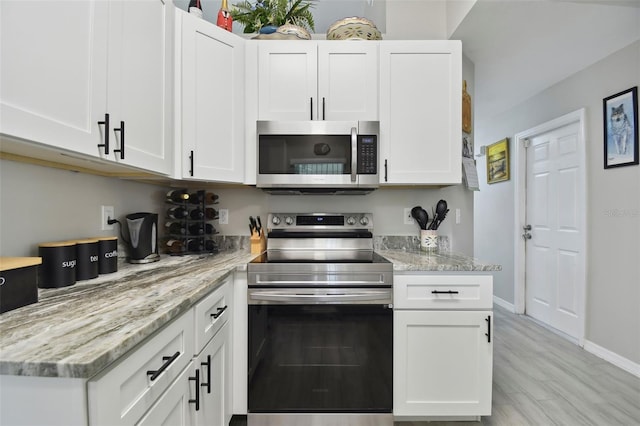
{"x": 540, "y": 378}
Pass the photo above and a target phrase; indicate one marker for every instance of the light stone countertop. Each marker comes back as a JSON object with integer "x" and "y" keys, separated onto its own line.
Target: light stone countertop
{"x": 418, "y": 261}
{"x": 77, "y": 331}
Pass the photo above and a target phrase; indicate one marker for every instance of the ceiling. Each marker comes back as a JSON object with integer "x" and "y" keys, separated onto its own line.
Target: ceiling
{"x": 521, "y": 47}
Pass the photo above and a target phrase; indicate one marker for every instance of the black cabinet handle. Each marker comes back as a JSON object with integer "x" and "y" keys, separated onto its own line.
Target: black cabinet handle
{"x": 168, "y": 360}
{"x": 444, "y": 292}
{"x": 197, "y": 398}
{"x": 323, "y": 109}
{"x": 311, "y": 102}
{"x": 121, "y": 130}
{"x": 385, "y": 170}
{"x": 488, "y": 333}
{"x": 208, "y": 365}
{"x": 105, "y": 145}
{"x": 220, "y": 311}
{"x": 191, "y": 163}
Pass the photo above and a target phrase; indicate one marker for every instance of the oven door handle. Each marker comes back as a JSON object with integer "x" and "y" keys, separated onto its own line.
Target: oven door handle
{"x": 319, "y": 297}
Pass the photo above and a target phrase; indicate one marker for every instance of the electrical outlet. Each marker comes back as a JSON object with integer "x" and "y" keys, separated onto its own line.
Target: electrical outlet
{"x": 457, "y": 216}
{"x": 408, "y": 219}
{"x": 223, "y": 216}
{"x": 108, "y": 212}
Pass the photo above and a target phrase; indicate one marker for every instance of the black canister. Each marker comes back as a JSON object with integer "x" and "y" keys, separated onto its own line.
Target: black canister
{"x": 108, "y": 255}
{"x": 58, "y": 264}
{"x": 87, "y": 259}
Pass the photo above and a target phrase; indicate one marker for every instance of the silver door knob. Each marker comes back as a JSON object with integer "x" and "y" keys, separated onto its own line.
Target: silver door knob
{"x": 526, "y": 236}
{"x": 526, "y": 228}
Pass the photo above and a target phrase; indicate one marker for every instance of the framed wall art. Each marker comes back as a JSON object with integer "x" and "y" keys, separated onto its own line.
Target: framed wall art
{"x": 498, "y": 161}
{"x": 620, "y": 113}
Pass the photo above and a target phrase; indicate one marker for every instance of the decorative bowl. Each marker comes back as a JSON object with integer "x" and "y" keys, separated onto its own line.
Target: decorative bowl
{"x": 294, "y": 30}
{"x": 354, "y": 28}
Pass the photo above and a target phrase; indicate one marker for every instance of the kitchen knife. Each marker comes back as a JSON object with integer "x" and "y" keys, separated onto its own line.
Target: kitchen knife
{"x": 259, "y": 226}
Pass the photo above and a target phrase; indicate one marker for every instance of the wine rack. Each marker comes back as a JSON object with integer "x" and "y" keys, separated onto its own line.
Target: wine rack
{"x": 189, "y": 225}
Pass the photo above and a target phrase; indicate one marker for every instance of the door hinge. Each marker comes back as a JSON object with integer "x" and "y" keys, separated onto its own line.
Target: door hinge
{"x": 527, "y": 143}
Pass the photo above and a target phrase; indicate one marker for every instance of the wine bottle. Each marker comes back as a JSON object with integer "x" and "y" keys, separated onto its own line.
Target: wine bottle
{"x": 195, "y": 244}
{"x": 209, "y": 229}
{"x": 210, "y": 198}
{"x": 174, "y": 246}
{"x": 176, "y": 228}
{"x": 210, "y": 245}
{"x": 210, "y": 213}
{"x": 225, "y": 20}
{"x": 196, "y": 229}
{"x": 196, "y": 197}
{"x": 177, "y": 213}
{"x": 196, "y": 214}
{"x": 177, "y": 196}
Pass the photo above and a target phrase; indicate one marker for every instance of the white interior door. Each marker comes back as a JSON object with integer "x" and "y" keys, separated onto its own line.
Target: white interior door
{"x": 555, "y": 203}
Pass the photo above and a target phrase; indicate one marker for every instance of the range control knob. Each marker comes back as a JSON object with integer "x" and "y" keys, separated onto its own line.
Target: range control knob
{"x": 276, "y": 220}
{"x": 288, "y": 220}
{"x": 364, "y": 221}
{"x": 351, "y": 220}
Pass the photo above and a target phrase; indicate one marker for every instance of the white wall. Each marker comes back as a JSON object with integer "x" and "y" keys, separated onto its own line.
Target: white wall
{"x": 613, "y": 203}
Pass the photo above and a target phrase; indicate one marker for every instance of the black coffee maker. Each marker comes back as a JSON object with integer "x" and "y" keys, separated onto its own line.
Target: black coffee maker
{"x": 143, "y": 237}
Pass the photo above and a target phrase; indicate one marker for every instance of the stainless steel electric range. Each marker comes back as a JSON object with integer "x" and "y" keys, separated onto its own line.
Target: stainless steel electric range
{"x": 320, "y": 324}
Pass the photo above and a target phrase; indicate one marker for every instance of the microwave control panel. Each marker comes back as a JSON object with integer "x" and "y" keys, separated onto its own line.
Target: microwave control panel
{"x": 367, "y": 155}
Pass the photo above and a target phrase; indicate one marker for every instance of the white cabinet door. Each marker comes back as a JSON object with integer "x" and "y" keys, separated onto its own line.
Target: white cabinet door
{"x": 215, "y": 378}
{"x": 53, "y": 72}
{"x": 287, "y": 80}
{"x": 347, "y": 80}
{"x": 176, "y": 407}
{"x": 210, "y": 121}
{"x": 139, "y": 52}
{"x": 421, "y": 112}
{"x": 442, "y": 363}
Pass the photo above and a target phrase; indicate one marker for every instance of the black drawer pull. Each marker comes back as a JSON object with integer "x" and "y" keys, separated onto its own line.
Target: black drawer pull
{"x": 208, "y": 365}
{"x": 444, "y": 292}
{"x": 168, "y": 360}
{"x": 488, "y": 333}
{"x": 197, "y": 399}
{"x": 220, "y": 311}
{"x": 191, "y": 164}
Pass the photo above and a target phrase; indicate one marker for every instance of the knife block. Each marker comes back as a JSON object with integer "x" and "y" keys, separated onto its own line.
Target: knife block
{"x": 258, "y": 243}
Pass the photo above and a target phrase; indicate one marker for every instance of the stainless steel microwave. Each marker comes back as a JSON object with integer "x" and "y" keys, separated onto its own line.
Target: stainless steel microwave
{"x": 318, "y": 156}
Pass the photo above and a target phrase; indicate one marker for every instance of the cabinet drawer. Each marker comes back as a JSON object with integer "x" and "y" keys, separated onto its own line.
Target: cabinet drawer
{"x": 121, "y": 395}
{"x": 443, "y": 291}
{"x": 212, "y": 313}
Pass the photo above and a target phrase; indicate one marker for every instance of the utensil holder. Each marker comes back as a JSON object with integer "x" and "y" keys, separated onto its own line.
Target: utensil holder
{"x": 428, "y": 240}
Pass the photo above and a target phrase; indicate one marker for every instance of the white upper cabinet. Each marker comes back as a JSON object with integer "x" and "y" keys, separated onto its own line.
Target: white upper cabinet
{"x": 139, "y": 86}
{"x": 317, "y": 80}
{"x": 53, "y": 75}
{"x": 210, "y": 102}
{"x": 287, "y": 80}
{"x": 66, "y": 65}
{"x": 421, "y": 112}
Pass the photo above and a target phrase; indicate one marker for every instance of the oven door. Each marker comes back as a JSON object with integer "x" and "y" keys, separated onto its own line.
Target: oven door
{"x": 320, "y": 350}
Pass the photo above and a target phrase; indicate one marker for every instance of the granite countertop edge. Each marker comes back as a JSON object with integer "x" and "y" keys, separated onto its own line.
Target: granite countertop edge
{"x": 419, "y": 261}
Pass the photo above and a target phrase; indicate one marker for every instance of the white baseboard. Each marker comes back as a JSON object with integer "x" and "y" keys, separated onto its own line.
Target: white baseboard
{"x": 503, "y": 303}
{"x": 613, "y": 358}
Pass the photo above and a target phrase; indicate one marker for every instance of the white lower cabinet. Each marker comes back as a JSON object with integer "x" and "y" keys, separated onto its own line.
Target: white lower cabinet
{"x": 180, "y": 376}
{"x": 443, "y": 349}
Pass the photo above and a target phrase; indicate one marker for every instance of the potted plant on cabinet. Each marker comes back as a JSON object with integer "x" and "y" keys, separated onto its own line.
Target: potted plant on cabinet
{"x": 265, "y": 16}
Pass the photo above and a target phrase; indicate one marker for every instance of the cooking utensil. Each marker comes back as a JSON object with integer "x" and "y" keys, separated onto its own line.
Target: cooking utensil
{"x": 439, "y": 215}
{"x": 421, "y": 216}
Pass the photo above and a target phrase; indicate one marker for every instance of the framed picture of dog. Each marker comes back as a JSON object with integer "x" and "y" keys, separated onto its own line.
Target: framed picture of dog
{"x": 620, "y": 112}
{"x": 498, "y": 161}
